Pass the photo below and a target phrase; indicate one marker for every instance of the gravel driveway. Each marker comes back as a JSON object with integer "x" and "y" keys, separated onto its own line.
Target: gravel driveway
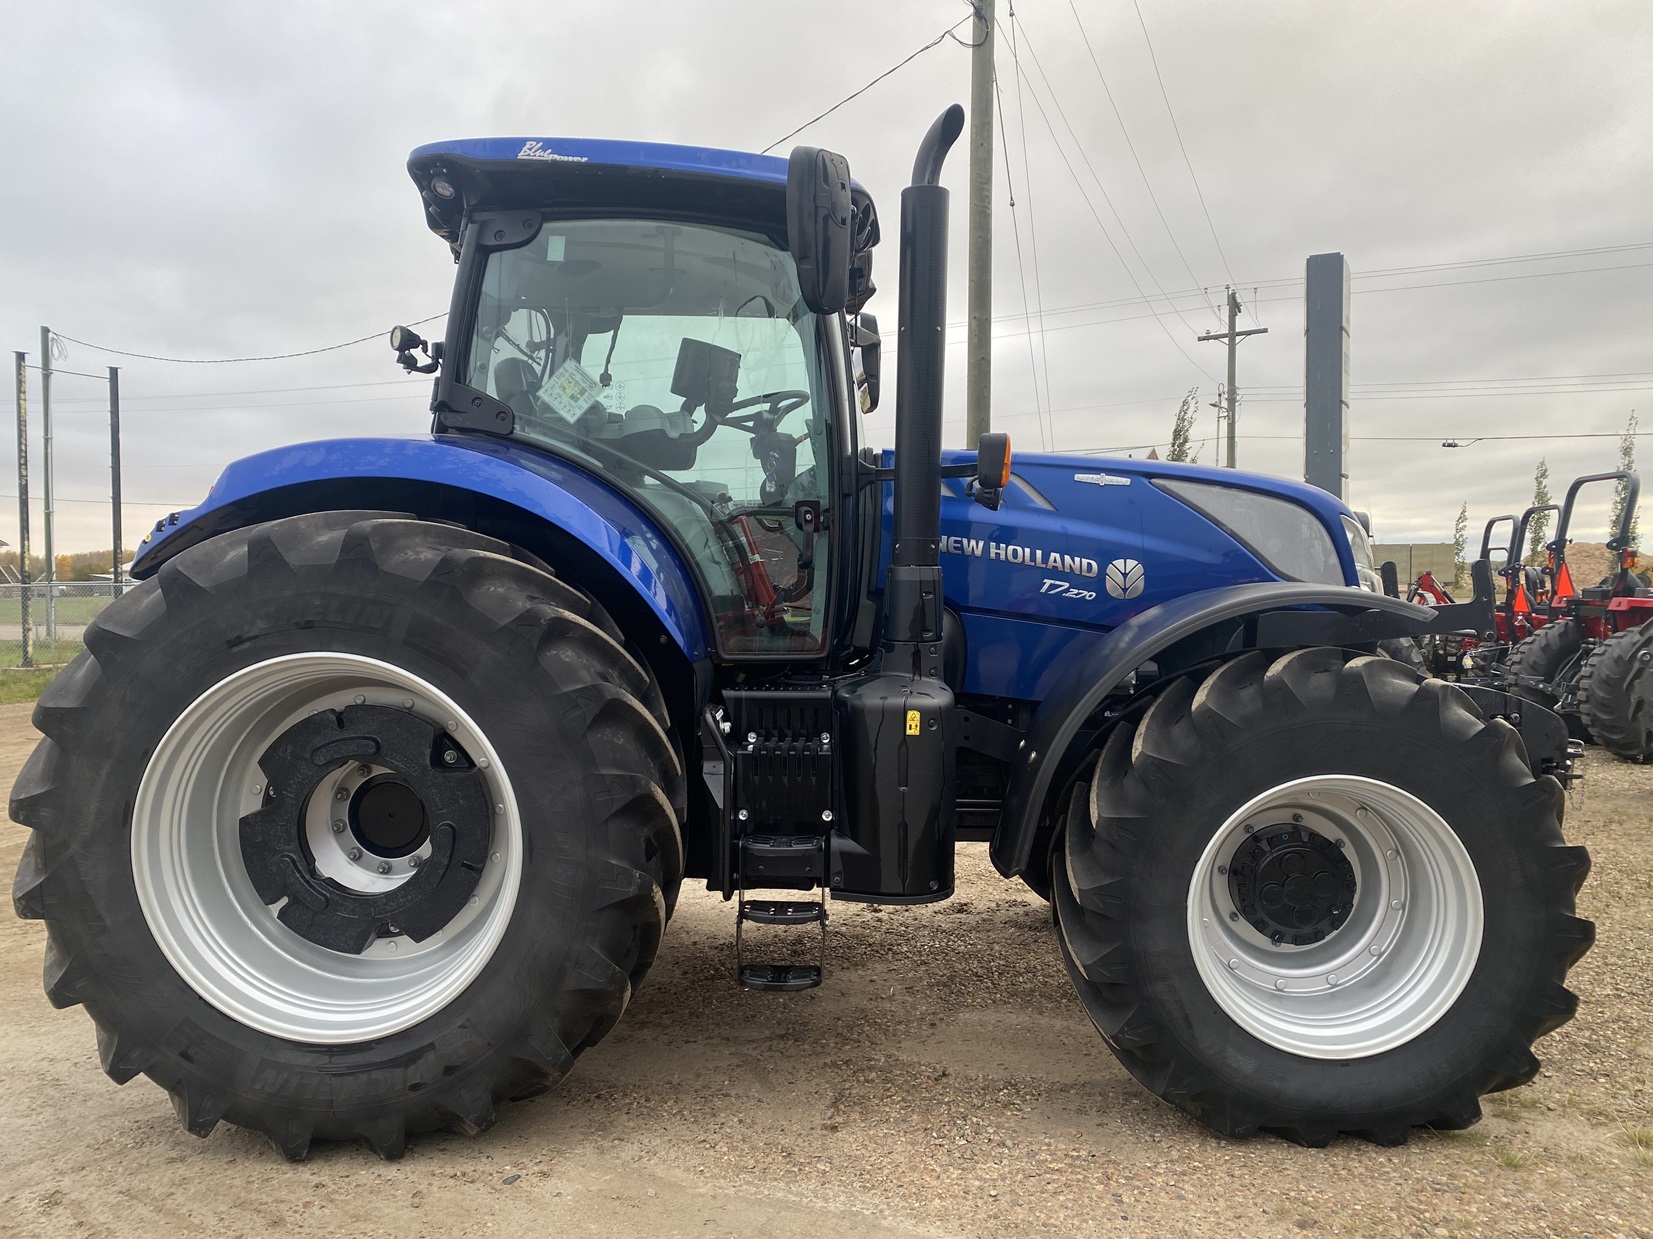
{"x": 943, "y": 1082}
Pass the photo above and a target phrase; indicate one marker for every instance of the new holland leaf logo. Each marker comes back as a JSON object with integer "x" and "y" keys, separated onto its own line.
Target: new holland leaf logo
{"x": 1124, "y": 578}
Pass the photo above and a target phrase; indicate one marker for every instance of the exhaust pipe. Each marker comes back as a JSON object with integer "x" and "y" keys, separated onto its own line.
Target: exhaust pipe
{"x": 897, "y": 723}
{"x": 912, "y": 611}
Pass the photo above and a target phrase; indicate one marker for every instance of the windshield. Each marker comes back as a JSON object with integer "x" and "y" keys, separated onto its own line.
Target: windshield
{"x": 680, "y": 360}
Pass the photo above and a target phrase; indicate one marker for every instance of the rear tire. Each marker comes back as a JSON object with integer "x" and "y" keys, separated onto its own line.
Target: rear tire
{"x": 1543, "y": 657}
{"x": 1615, "y": 693}
{"x": 1438, "y": 812}
{"x": 551, "y": 758}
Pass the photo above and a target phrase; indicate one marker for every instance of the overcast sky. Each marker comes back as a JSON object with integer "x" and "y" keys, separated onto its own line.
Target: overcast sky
{"x": 210, "y": 179}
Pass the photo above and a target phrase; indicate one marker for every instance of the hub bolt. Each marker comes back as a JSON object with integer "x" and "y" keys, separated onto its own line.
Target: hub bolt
{"x": 1280, "y": 984}
{"x": 1233, "y": 916}
{"x": 363, "y": 771}
{"x": 826, "y": 815}
{"x": 826, "y": 736}
{"x": 751, "y": 737}
{"x": 742, "y": 815}
{"x": 354, "y": 853}
{"x": 1297, "y": 817}
{"x": 1222, "y": 868}
{"x": 1250, "y": 829}
{"x": 341, "y": 794}
{"x": 338, "y": 827}
{"x": 449, "y": 757}
{"x": 360, "y": 700}
{"x": 415, "y": 861}
{"x": 384, "y": 866}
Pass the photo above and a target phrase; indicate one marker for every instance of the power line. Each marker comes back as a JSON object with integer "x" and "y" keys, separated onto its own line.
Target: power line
{"x": 1177, "y": 129}
{"x": 1021, "y": 271}
{"x": 1106, "y": 197}
{"x": 225, "y": 361}
{"x": 856, "y": 94}
{"x": 1131, "y": 275}
{"x": 1126, "y": 133}
{"x": 1032, "y": 218}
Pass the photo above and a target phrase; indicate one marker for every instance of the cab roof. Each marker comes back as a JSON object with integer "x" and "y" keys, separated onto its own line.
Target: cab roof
{"x": 599, "y": 174}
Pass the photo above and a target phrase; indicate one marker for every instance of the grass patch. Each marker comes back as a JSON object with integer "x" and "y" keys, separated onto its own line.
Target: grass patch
{"x": 1640, "y": 1140}
{"x": 1480, "y": 1139}
{"x": 24, "y": 685}
{"x": 1510, "y": 1158}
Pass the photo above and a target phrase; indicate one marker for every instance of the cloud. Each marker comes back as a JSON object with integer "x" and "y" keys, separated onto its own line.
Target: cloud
{"x": 197, "y": 179}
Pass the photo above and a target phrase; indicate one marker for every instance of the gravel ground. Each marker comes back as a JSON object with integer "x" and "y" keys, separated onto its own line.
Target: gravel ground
{"x": 943, "y": 1082}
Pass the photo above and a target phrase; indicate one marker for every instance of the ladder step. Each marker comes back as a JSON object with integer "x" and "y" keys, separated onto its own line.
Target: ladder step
{"x": 782, "y": 856}
{"x": 782, "y": 912}
{"x": 782, "y": 978}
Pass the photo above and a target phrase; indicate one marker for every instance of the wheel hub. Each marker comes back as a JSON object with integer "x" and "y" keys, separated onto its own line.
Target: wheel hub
{"x": 420, "y": 814}
{"x": 387, "y": 817}
{"x": 1292, "y": 884}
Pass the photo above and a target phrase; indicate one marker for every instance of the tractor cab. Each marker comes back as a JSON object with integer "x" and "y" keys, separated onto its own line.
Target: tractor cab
{"x": 660, "y": 316}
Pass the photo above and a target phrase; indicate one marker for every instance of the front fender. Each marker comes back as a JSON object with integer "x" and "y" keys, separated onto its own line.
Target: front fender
{"x": 1342, "y": 616}
{"x": 454, "y": 478}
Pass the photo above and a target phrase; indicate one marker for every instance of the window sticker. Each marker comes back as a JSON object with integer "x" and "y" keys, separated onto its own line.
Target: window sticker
{"x": 570, "y": 391}
{"x": 555, "y": 247}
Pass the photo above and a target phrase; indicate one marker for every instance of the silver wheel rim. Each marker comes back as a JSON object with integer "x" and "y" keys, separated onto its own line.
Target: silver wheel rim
{"x": 1394, "y": 966}
{"x": 201, "y": 906}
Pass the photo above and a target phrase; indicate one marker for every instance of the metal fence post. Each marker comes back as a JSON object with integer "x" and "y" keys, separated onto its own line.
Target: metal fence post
{"x": 27, "y": 631}
{"x": 115, "y": 474}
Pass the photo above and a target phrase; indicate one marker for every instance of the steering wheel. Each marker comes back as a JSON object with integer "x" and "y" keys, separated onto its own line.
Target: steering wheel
{"x": 781, "y": 405}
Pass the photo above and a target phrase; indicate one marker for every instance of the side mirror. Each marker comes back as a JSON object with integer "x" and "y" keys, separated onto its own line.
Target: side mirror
{"x": 992, "y": 469}
{"x": 818, "y": 212}
{"x": 706, "y": 375}
{"x": 1391, "y": 578}
{"x": 869, "y": 346}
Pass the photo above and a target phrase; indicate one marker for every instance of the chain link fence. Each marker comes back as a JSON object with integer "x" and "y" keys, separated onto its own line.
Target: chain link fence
{"x": 45, "y": 626}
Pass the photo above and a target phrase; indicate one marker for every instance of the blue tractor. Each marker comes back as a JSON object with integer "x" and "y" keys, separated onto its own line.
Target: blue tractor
{"x": 366, "y": 810}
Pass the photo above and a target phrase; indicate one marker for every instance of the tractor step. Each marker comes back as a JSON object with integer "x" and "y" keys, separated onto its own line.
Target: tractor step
{"x": 790, "y": 858}
{"x": 792, "y": 913}
{"x": 780, "y": 978}
{"x": 782, "y": 912}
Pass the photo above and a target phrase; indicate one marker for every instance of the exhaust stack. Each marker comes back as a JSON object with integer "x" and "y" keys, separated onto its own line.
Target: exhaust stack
{"x": 912, "y": 611}
{"x": 897, "y": 723}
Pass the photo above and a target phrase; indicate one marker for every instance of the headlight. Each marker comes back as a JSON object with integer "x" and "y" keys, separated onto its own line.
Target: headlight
{"x": 1288, "y": 538}
{"x": 1360, "y": 543}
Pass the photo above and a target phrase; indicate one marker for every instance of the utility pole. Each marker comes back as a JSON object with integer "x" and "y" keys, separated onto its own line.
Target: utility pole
{"x": 22, "y": 360}
{"x": 1233, "y": 338}
{"x": 46, "y": 431}
{"x": 115, "y": 473}
{"x": 978, "y": 410}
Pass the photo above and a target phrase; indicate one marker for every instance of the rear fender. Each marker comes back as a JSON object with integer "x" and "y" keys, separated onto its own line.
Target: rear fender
{"x": 595, "y": 536}
{"x": 1268, "y": 615}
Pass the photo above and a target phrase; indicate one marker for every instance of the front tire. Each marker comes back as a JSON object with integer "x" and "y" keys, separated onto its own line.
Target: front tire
{"x": 350, "y": 826}
{"x": 1615, "y": 693}
{"x": 1205, "y": 952}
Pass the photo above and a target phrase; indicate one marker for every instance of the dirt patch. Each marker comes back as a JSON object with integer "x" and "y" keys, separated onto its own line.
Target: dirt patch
{"x": 943, "y": 1082}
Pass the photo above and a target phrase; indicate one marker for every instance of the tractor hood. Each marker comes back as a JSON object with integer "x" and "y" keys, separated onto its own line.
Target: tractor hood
{"x": 1082, "y": 544}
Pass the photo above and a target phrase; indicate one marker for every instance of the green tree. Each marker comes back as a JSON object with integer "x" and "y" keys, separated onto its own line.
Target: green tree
{"x": 1182, "y": 430}
{"x": 1627, "y": 462}
{"x": 1460, "y": 540}
{"x": 1541, "y": 520}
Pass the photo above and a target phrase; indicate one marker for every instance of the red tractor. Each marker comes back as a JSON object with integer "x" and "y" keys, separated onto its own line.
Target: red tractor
{"x": 1590, "y": 655}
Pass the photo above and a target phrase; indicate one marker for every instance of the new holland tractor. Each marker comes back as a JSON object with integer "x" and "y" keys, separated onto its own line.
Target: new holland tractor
{"x": 365, "y": 812}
